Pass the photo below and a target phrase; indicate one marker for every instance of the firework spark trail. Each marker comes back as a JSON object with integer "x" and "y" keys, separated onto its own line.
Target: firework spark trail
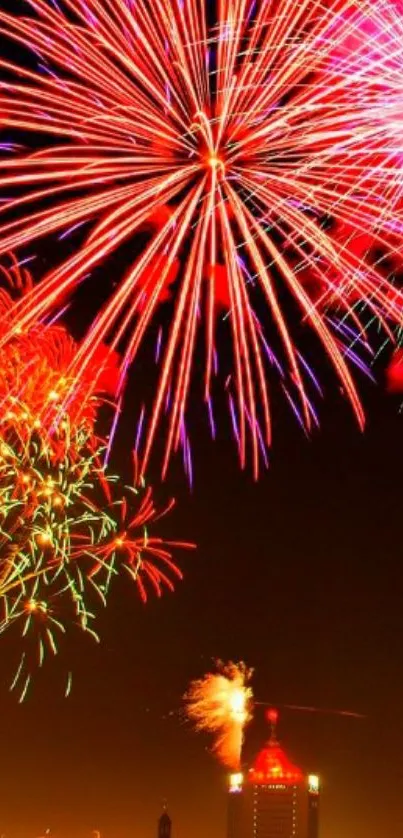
{"x": 68, "y": 529}
{"x": 48, "y": 525}
{"x": 236, "y": 140}
{"x": 220, "y": 703}
{"x": 68, "y": 526}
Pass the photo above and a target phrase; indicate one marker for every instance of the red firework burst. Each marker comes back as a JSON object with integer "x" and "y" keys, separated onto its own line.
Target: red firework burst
{"x": 68, "y": 529}
{"x": 36, "y": 385}
{"x": 147, "y": 559}
{"x": 248, "y": 146}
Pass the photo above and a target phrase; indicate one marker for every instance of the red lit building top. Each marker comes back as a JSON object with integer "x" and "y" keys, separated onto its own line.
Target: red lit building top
{"x": 272, "y": 766}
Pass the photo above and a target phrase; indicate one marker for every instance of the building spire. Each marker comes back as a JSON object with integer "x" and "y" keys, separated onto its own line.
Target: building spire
{"x": 164, "y": 823}
{"x": 272, "y": 718}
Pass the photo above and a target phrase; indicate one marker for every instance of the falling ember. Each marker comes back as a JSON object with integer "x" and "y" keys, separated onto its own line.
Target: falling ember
{"x": 220, "y": 703}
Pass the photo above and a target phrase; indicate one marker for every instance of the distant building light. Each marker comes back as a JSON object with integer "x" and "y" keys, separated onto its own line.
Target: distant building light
{"x": 236, "y": 783}
{"x": 313, "y": 784}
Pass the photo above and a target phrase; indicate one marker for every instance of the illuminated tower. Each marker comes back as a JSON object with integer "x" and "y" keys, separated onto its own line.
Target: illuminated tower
{"x": 313, "y": 806}
{"x": 164, "y": 825}
{"x": 273, "y": 799}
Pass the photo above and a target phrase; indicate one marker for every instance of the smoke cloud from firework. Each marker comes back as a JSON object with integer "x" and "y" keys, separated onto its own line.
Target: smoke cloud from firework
{"x": 220, "y": 704}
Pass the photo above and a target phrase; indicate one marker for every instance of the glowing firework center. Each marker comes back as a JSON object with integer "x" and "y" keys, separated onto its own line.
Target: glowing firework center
{"x": 273, "y": 798}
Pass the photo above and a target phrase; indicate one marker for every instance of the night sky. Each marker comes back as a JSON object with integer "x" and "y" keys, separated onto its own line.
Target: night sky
{"x": 300, "y": 576}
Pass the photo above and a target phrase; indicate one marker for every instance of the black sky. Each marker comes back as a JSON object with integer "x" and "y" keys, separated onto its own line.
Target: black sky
{"x": 300, "y": 575}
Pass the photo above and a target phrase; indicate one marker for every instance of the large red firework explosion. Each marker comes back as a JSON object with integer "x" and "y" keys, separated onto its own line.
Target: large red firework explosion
{"x": 250, "y": 145}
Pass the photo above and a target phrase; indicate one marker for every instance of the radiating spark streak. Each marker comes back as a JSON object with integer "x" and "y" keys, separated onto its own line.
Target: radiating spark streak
{"x": 211, "y": 418}
{"x": 253, "y": 123}
{"x": 112, "y": 432}
{"x": 347, "y": 713}
{"x": 139, "y": 429}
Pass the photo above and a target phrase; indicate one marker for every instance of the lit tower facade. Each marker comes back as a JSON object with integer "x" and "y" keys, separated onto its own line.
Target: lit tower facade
{"x": 274, "y": 799}
{"x": 164, "y": 825}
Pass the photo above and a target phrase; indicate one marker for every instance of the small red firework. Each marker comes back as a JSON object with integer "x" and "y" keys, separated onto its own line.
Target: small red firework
{"x": 146, "y": 558}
